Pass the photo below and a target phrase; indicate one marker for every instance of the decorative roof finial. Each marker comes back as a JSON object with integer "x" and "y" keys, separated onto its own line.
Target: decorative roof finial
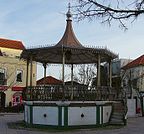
{"x": 69, "y": 15}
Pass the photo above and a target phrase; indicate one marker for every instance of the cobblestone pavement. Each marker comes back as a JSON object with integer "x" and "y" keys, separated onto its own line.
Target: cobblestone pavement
{"x": 135, "y": 126}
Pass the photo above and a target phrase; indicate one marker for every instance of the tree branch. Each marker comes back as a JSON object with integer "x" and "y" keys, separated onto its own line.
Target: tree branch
{"x": 107, "y": 11}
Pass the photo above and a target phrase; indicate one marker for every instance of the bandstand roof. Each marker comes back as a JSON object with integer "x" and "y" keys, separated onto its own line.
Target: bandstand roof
{"x": 75, "y": 52}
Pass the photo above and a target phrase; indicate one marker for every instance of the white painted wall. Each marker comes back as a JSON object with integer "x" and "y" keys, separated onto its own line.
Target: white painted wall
{"x": 131, "y": 104}
{"x": 51, "y": 115}
{"x": 74, "y": 116}
{"x": 62, "y": 116}
{"x": 106, "y": 113}
{"x": 27, "y": 114}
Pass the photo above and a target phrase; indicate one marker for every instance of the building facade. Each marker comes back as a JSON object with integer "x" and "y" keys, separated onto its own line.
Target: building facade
{"x": 134, "y": 74}
{"x": 12, "y": 72}
{"x": 117, "y": 72}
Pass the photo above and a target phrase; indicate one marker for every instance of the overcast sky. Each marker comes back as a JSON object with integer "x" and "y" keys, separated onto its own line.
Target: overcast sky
{"x": 41, "y": 22}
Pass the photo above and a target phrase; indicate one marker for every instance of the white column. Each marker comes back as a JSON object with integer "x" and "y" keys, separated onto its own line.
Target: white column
{"x": 31, "y": 75}
{"x": 110, "y": 73}
{"x": 72, "y": 81}
{"x": 44, "y": 65}
{"x": 63, "y": 66}
{"x": 72, "y": 74}
{"x": 27, "y": 73}
{"x": 98, "y": 71}
{"x": 31, "y": 70}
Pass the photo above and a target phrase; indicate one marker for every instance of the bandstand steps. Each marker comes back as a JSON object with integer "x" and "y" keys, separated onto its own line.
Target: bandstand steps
{"x": 117, "y": 116}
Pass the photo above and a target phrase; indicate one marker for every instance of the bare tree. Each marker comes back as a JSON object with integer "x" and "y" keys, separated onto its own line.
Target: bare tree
{"x": 130, "y": 82}
{"x": 109, "y": 10}
{"x": 85, "y": 74}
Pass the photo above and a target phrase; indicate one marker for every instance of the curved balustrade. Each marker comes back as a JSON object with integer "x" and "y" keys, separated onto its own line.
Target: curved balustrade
{"x": 76, "y": 93}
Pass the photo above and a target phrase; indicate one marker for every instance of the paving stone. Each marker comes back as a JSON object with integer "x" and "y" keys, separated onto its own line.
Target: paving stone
{"x": 134, "y": 126}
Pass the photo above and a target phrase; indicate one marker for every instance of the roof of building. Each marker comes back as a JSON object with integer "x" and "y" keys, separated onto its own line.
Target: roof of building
{"x": 50, "y": 80}
{"x": 137, "y": 62}
{"x": 13, "y": 44}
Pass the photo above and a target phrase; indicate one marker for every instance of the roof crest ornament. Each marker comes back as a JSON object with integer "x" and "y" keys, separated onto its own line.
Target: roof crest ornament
{"x": 69, "y": 14}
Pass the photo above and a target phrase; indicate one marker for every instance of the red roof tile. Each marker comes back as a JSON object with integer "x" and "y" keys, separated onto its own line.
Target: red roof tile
{"x": 14, "y": 44}
{"x": 137, "y": 62}
{"x": 49, "y": 80}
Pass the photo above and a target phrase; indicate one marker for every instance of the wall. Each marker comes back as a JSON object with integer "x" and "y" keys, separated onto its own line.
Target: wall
{"x": 11, "y": 65}
{"x": 43, "y": 113}
{"x": 11, "y": 52}
{"x": 27, "y": 114}
{"x": 75, "y": 115}
{"x": 106, "y": 113}
{"x": 131, "y": 104}
{"x": 137, "y": 73}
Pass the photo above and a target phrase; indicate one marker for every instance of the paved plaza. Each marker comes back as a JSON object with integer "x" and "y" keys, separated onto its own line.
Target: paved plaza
{"x": 135, "y": 126}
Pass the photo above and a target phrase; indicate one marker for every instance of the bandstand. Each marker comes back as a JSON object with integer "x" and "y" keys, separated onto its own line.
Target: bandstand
{"x": 68, "y": 105}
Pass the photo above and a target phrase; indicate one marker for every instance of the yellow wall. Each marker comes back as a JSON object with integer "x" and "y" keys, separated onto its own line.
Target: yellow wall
{"x": 11, "y": 64}
{"x": 10, "y": 52}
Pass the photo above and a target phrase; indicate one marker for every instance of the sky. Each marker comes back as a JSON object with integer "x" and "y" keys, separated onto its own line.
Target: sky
{"x": 42, "y": 22}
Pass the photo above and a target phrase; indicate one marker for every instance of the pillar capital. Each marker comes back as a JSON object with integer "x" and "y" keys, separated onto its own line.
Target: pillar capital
{"x": 44, "y": 65}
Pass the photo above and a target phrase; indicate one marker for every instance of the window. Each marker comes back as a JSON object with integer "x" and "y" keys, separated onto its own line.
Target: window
{"x": 19, "y": 76}
{"x": 2, "y": 76}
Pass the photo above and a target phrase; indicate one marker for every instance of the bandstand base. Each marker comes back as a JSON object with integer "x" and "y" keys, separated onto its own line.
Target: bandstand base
{"x": 67, "y": 113}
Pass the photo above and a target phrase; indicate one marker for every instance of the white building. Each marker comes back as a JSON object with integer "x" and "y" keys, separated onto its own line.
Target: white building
{"x": 117, "y": 73}
{"x": 134, "y": 73}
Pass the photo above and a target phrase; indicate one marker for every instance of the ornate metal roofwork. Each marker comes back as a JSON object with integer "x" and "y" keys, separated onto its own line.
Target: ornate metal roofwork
{"x": 69, "y": 39}
{"x": 74, "y": 51}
